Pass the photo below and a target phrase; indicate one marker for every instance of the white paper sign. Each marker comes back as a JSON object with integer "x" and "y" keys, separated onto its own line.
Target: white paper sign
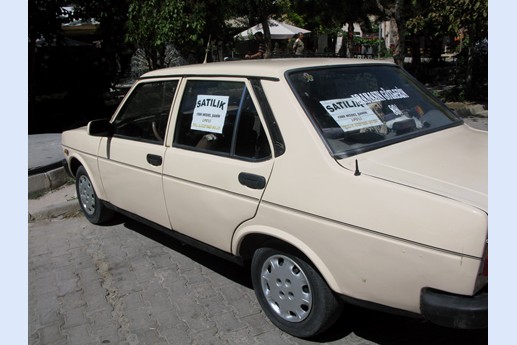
{"x": 210, "y": 113}
{"x": 350, "y": 114}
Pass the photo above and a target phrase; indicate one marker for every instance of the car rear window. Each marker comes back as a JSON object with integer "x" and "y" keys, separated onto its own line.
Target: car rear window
{"x": 358, "y": 108}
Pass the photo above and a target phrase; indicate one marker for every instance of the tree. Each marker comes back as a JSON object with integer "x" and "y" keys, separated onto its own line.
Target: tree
{"x": 112, "y": 16}
{"x": 45, "y": 18}
{"x": 397, "y": 10}
{"x": 259, "y": 11}
{"x": 330, "y": 16}
{"x": 442, "y": 18}
{"x": 153, "y": 24}
{"x": 216, "y": 14}
{"x": 355, "y": 11}
{"x": 470, "y": 17}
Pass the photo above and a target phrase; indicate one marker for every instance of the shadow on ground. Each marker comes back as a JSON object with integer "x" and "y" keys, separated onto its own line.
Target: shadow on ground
{"x": 230, "y": 270}
{"x": 384, "y": 328}
{"x": 375, "y": 326}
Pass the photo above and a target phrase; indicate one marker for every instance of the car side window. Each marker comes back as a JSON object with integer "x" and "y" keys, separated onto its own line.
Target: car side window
{"x": 220, "y": 117}
{"x": 145, "y": 114}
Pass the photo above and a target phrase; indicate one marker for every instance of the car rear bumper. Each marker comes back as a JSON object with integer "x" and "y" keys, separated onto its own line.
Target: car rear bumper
{"x": 456, "y": 311}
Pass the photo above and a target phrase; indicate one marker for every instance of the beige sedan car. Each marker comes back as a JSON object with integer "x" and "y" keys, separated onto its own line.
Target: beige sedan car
{"x": 338, "y": 181}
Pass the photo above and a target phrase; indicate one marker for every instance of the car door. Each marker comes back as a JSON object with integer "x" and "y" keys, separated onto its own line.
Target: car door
{"x": 220, "y": 161}
{"x": 131, "y": 161}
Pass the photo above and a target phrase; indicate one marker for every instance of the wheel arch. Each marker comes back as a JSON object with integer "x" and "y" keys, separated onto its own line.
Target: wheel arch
{"x": 247, "y": 240}
{"x": 74, "y": 162}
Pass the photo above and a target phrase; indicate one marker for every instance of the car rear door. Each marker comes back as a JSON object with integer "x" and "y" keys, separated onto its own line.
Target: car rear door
{"x": 220, "y": 161}
{"x": 131, "y": 161}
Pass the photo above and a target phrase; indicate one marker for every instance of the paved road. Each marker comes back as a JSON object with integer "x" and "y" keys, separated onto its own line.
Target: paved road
{"x": 125, "y": 283}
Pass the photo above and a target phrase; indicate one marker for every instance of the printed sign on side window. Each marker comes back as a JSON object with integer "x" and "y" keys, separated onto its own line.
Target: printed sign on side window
{"x": 210, "y": 113}
{"x": 350, "y": 114}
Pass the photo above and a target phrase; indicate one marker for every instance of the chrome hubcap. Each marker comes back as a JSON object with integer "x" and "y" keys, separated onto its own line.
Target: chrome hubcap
{"x": 86, "y": 195}
{"x": 286, "y": 288}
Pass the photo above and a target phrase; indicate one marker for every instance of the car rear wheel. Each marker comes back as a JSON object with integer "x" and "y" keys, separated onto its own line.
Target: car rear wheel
{"x": 93, "y": 209}
{"x": 292, "y": 293}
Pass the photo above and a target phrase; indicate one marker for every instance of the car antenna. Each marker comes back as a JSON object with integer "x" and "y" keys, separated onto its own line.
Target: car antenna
{"x": 357, "y": 172}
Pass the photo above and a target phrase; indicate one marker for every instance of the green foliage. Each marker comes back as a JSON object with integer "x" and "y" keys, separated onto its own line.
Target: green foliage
{"x": 112, "y": 16}
{"x": 152, "y": 24}
{"x": 467, "y": 20}
{"x": 448, "y": 17}
{"x": 368, "y": 41}
{"x": 258, "y": 10}
{"x": 330, "y": 14}
{"x": 187, "y": 24}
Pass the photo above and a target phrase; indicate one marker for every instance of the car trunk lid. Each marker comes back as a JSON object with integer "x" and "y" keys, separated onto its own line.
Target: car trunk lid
{"x": 452, "y": 163}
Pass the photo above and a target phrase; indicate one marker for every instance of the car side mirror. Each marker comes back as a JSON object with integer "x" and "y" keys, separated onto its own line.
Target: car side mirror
{"x": 100, "y": 128}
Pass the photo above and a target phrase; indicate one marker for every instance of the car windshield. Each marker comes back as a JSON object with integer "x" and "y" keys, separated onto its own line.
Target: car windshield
{"x": 359, "y": 108}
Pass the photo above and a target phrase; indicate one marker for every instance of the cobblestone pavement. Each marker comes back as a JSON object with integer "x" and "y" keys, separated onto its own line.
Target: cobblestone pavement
{"x": 125, "y": 283}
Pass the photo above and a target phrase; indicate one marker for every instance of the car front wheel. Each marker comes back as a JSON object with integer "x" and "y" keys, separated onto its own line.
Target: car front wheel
{"x": 292, "y": 293}
{"x": 93, "y": 209}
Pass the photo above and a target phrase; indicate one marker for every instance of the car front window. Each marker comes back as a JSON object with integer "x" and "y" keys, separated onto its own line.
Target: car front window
{"x": 145, "y": 114}
{"x": 359, "y": 108}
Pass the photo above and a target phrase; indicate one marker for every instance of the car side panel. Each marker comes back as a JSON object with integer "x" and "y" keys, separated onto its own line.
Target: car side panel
{"x": 130, "y": 181}
{"x": 204, "y": 197}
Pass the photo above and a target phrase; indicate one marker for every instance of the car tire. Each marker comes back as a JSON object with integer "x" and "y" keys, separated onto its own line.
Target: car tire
{"x": 292, "y": 293}
{"x": 93, "y": 208}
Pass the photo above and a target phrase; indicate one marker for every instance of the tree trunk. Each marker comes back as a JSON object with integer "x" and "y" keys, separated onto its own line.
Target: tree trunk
{"x": 267, "y": 37}
{"x": 415, "y": 50}
{"x": 350, "y": 42}
{"x": 436, "y": 49}
{"x": 471, "y": 81}
{"x": 400, "y": 46}
{"x": 32, "y": 77}
{"x": 331, "y": 43}
{"x": 396, "y": 13}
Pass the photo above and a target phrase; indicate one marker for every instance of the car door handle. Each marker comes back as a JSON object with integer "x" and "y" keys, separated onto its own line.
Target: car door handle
{"x": 154, "y": 159}
{"x": 252, "y": 181}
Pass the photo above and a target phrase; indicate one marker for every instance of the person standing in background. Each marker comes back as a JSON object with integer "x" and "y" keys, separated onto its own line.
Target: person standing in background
{"x": 261, "y": 50}
{"x": 298, "y": 45}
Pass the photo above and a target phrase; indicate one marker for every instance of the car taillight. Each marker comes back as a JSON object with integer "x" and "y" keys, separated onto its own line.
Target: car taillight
{"x": 482, "y": 279}
{"x": 484, "y": 269}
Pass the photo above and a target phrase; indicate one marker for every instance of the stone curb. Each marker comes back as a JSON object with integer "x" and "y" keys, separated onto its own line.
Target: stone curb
{"x": 61, "y": 210}
{"x": 47, "y": 181}
{"x": 57, "y": 203}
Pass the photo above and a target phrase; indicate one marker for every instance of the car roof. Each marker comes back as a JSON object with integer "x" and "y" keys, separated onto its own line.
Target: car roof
{"x": 264, "y": 68}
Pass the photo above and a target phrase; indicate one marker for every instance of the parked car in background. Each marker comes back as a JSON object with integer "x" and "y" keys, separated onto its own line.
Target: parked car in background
{"x": 338, "y": 180}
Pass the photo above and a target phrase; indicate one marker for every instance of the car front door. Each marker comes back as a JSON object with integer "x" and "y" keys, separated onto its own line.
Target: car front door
{"x": 131, "y": 161}
{"x": 220, "y": 161}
